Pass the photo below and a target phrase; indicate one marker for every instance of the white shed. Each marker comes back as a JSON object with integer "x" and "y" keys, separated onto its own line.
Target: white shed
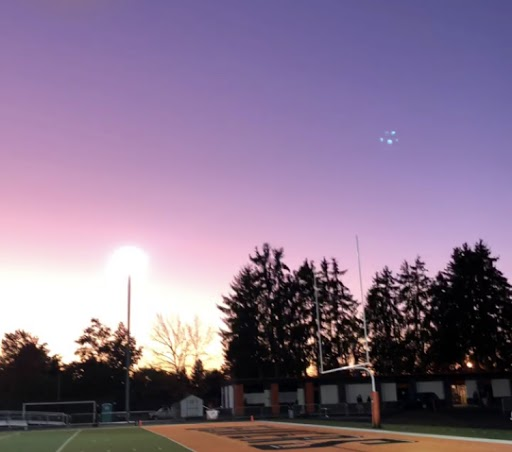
{"x": 191, "y": 406}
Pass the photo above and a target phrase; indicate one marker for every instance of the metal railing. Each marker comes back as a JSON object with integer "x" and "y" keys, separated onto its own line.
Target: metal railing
{"x": 336, "y": 410}
{"x": 353, "y": 411}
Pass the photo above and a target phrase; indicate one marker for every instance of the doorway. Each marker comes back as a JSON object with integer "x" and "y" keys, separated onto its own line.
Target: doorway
{"x": 459, "y": 394}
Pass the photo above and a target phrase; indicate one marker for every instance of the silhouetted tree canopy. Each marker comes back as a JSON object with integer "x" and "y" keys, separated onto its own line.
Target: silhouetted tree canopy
{"x": 99, "y": 343}
{"x": 471, "y": 318}
{"x": 270, "y": 322}
{"x": 414, "y": 296}
{"x": 28, "y": 371}
{"x": 416, "y": 324}
{"x": 385, "y": 324}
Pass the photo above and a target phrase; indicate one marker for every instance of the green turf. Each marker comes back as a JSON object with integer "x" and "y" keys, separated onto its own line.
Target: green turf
{"x": 451, "y": 431}
{"x": 126, "y": 439}
{"x": 426, "y": 429}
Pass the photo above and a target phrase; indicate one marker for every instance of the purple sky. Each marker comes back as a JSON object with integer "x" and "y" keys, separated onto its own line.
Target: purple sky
{"x": 201, "y": 129}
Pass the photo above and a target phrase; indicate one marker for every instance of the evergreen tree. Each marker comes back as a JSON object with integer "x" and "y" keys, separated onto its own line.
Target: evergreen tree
{"x": 273, "y": 279}
{"x": 414, "y": 297}
{"x": 471, "y": 307}
{"x": 385, "y": 324}
{"x": 268, "y": 318}
{"x": 198, "y": 378}
{"x": 444, "y": 327}
{"x": 242, "y": 337}
{"x": 214, "y": 380}
{"x": 304, "y": 343}
{"x": 341, "y": 328}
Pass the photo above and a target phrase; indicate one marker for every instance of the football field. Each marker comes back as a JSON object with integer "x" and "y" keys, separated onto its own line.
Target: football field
{"x": 237, "y": 436}
{"x": 125, "y": 439}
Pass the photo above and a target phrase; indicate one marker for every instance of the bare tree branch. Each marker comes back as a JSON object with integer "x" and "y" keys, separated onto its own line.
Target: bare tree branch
{"x": 179, "y": 345}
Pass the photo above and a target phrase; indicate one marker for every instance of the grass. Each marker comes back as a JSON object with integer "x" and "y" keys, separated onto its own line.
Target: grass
{"x": 125, "y": 439}
{"x": 134, "y": 439}
{"x": 468, "y": 432}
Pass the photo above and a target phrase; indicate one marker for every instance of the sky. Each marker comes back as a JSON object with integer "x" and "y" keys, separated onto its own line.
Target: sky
{"x": 199, "y": 130}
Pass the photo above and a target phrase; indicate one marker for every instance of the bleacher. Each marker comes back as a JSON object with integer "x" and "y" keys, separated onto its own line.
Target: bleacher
{"x": 23, "y": 420}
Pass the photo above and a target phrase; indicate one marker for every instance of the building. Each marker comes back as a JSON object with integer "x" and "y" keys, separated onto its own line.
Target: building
{"x": 189, "y": 407}
{"x": 342, "y": 393}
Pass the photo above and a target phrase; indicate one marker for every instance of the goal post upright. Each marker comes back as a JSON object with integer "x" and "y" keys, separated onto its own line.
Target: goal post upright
{"x": 365, "y": 326}
{"x": 365, "y": 366}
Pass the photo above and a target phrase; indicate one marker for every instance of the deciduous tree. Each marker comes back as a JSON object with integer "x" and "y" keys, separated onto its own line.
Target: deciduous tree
{"x": 178, "y": 345}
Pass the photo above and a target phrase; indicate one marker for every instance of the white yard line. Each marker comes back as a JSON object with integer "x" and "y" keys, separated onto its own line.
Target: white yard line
{"x": 8, "y": 435}
{"x": 170, "y": 439}
{"x": 65, "y": 443}
{"x": 392, "y": 432}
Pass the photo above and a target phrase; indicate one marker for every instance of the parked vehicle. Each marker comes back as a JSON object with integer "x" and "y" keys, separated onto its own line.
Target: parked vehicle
{"x": 164, "y": 412}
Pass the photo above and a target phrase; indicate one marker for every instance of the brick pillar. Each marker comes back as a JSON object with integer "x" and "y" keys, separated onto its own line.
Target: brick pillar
{"x": 375, "y": 410}
{"x": 274, "y": 398}
{"x": 239, "y": 400}
{"x": 309, "y": 396}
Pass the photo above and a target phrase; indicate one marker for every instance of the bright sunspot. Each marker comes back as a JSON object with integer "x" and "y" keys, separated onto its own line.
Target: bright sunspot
{"x": 127, "y": 261}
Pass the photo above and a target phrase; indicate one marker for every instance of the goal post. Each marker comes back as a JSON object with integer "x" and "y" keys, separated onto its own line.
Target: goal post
{"x": 364, "y": 367}
{"x": 77, "y": 410}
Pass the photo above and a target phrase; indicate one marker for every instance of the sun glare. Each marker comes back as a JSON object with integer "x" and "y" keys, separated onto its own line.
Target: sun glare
{"x": 128, "y": 261}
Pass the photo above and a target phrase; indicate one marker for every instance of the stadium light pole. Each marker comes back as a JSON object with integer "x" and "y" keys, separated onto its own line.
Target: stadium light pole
{"x": 125, "y": 264}
{"x": 127, "y": 351}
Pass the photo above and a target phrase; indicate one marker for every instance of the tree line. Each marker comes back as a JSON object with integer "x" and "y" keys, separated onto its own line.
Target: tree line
{"x": 30, "y": 373}
{"x": 458, "y": 320}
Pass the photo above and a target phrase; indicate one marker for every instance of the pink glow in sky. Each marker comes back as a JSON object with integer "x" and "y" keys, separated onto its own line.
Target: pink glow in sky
{"x": 199, "y": 130}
